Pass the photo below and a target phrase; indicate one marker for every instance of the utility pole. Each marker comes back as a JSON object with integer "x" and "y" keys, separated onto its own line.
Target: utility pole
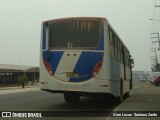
{"x": 156, "y": 59}
{"x": 156, "y": 64}
{"x": 156, "y": 41}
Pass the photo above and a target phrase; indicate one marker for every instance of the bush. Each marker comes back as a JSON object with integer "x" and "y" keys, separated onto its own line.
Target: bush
{"x": 22, "y": 79}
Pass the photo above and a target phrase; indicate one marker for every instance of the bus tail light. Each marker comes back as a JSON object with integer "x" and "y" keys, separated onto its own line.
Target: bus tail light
{"x": 97, "y": 68}
{"x": 48, "y": 67}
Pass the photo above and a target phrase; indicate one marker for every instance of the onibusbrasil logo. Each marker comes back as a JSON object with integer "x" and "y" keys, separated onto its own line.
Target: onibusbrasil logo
{"x": 21, "y": 114}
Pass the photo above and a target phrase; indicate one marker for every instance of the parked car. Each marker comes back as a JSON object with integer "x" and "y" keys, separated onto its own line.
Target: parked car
{"x": 152, "y": 79}
{"x": 156, "y": 80}
{"x": 143, "y": 78}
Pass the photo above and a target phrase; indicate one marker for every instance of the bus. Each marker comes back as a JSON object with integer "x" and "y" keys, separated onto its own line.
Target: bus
{"x": 84, "y": 56}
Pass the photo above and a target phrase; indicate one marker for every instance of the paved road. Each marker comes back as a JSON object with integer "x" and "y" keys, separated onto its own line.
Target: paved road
{"x": 144, "y": 100}
{"x": 41, "y": 100}
{"x": 44, "y": 101}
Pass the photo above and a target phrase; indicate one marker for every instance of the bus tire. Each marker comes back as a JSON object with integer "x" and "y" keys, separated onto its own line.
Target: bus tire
{"x": 119, "y": 99}
{"x": 71, "y": 97}
{"x": 126, "y": 94}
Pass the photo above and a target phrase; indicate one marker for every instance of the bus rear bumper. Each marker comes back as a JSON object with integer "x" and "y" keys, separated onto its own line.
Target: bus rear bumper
{"x": 90, "y": 86}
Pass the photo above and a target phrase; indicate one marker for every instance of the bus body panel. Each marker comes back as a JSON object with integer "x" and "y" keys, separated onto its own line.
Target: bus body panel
{"x": 73, "y": 69}
{"x": 115, "y": 70}
{"x": 90, "y": 86}
{"x": 64, "y": 64}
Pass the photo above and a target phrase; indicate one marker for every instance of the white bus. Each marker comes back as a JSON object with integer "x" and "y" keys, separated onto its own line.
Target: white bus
{"x": 83, "y": 56}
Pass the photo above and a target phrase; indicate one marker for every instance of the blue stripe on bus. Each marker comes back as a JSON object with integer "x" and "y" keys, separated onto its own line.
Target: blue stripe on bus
{"x": 85, "y": 65}
{"x": 53, "y": 58}
{"x": 44, "y": 38}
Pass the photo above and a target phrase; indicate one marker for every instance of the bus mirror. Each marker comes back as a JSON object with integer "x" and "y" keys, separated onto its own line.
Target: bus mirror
{"x": 132, "y": 63}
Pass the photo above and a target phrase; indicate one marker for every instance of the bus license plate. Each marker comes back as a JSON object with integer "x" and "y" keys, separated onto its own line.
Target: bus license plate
{"x": 75, "y": 75}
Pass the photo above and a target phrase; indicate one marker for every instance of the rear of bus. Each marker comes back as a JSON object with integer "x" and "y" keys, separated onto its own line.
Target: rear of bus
{"x": 72, "y": 57}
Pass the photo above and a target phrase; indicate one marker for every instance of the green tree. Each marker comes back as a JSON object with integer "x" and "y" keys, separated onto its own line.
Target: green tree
{"x": 22, "y": 79}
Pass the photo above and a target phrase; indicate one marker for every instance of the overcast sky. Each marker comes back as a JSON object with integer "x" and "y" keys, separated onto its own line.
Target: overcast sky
{"x": 20, "y": 25}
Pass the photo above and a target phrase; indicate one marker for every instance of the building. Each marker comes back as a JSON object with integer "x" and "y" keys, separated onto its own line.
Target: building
{"x": 10, "y": 73}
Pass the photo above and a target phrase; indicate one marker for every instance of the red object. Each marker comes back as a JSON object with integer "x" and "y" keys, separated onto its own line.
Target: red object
{"x": 157, "y": 79}
{"x": 48, "y": 67}
{"x": 97, "y": 67}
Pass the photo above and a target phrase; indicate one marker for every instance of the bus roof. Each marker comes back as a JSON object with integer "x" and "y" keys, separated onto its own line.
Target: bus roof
{"x": 74, "y": 18}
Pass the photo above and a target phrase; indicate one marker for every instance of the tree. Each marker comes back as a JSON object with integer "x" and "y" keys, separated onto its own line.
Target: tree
{"x": 22, "y": 79}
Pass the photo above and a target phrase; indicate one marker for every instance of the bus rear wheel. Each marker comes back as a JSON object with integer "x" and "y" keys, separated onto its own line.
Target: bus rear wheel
{"x": 71, "y": 97}
{"x": 119, "y": 99}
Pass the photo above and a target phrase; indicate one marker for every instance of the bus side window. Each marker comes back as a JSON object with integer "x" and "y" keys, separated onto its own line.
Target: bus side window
{"x": 118, "y": 52}
{"x": 126, "y": 58}
{"x": 111, "y": 43}
{"x": 114, "y": 45}
{"x": 110, "y": 37}
{"x": 122, "y": 52}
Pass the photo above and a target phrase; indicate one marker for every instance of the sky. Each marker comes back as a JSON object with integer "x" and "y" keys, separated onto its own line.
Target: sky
{"x": 20, "y": 26}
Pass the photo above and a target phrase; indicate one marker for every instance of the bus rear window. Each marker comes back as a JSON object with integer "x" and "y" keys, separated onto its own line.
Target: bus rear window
{"x": 74, "y": 34}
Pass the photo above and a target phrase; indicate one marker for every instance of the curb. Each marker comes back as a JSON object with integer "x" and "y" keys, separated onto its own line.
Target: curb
{"x": 18, "y": 87}
{"x": 19, "y": 90}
